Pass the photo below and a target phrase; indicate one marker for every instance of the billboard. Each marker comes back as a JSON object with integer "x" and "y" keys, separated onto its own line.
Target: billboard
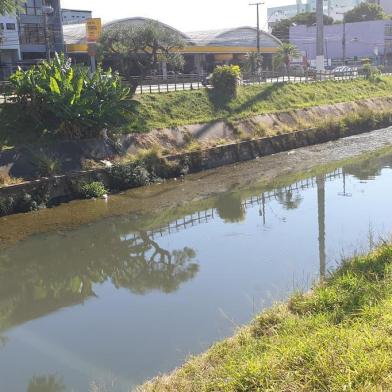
{"x": 93, "y": 30}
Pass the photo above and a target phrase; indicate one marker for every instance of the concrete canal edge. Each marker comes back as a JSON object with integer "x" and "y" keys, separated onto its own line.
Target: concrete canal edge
{"x": 49, "y": 191}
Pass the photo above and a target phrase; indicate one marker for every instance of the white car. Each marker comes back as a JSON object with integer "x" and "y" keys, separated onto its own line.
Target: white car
{"x": 344, "y": 70}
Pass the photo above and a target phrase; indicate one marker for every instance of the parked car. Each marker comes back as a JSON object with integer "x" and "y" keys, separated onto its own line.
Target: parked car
{"x": 344, "y": 70}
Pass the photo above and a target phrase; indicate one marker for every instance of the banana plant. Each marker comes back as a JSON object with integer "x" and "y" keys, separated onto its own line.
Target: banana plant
{"x": 70, "y": 99}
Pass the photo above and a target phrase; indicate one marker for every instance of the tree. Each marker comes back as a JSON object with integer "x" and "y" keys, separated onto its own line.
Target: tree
{"x": 365, "y": 12}
{"x": 7, "y": 6}
{"x": 253, "y": 63}
{"x": 309, "y": 19}
{"x": 138, "y": 50}
{"x": 281, "y": 29}
{"x": 285, "y": 52}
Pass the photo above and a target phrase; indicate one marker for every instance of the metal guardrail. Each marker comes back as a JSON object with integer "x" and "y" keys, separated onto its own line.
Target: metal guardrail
{"x": 171, "y": 83}
{"x": 161, "y": 83}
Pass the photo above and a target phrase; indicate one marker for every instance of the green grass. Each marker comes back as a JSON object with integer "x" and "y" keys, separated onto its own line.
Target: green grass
{"x": 192, "y": 107}
{"x": 157, "y": 111}
{"x": 336, "y": 338}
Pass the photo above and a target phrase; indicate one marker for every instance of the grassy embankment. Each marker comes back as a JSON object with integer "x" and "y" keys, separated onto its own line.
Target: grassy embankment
{"x": 157, "y": 111}
{"x": 336, "y": 338}
{"x": 192, "y": 107}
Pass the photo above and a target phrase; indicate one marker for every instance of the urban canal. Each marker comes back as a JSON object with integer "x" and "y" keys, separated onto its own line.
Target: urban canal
{"x": 115, "y": 292}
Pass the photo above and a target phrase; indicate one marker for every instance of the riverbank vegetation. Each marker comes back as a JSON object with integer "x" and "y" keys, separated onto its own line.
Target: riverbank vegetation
{"x": 335, "y": 338}
{"x": 155, "y": 111}
{"x": 61, "y": 101}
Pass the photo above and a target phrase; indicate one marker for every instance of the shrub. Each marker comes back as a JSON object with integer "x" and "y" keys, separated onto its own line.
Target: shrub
{"x": 130, "y": 175}
{"x": 7, "y": 205}
{"x": 371, "y": 73}
{"x": 46, "y": 166}
{"x": 225, "y": 80}
{"x": 71, "y": 100}
{"x": 28, "y": 203}
{"x": 93, "y": 190}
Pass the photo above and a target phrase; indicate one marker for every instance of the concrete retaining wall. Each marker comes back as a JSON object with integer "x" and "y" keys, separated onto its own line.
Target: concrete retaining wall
{"x": 49, "y": 191}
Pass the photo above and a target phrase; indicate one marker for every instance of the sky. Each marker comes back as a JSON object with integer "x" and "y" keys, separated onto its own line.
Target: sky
{"x": 185, "y": 15}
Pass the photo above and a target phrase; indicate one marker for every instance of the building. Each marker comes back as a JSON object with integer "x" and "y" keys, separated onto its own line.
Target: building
{"x": 9, "y": 44}
{"x": 69, "y": 16}
{"x": 32, "y": 32}
{"x": 203, "y": 51}
{"x": 275, "y": 14}
{"x": 372, "y": 40}
{"x": 333, "y": 8}
{"x": 387, "y": 5}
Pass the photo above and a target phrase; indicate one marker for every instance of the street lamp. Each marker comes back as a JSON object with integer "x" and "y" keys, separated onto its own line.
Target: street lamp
{"x": 47, "y": 10}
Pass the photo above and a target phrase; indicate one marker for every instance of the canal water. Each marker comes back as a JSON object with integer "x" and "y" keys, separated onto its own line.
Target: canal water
{"x": 112, "y": 302}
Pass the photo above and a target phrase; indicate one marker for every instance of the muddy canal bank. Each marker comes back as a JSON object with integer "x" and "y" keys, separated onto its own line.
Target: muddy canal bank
{"x": 257, "y": 174}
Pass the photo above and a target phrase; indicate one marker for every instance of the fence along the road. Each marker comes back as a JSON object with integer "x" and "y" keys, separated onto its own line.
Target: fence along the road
{"x": 6, "y": 93}
{"x": 162, "y": 84}
{"x": 180, "y": 82}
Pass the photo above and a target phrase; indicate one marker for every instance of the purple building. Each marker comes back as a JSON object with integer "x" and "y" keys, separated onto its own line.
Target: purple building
{"x": 371, "y": 40}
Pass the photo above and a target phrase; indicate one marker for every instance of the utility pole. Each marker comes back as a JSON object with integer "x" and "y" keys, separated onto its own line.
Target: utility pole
{"x": 344, "y": 37}
{"x": 320, "y": 36}
{"x": 47, "y": 10}
{"x": 258, "y": 23}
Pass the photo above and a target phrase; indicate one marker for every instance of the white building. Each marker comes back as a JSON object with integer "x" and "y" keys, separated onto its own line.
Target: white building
{"x": 387, "y": 5}
{"x": 333, "y": 8}
{"x": 75, "y": 16}
{"x": 9, "y": 44}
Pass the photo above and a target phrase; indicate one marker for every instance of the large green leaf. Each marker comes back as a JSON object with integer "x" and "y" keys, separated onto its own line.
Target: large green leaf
{"x": 54, "y": 87}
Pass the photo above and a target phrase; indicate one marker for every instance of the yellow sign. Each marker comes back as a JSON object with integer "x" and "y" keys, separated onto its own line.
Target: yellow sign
{"x": 93, "y": 29}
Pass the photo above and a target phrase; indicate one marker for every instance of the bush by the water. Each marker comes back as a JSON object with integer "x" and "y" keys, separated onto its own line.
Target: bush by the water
{"x": 130, "y": 175}
{"x": 93, "y": 190}
{"x": 225, "y": 80}
{"x": 71, "y": 99}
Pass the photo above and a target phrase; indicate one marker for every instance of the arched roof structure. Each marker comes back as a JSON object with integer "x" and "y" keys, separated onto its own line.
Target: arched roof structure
{"x": 234, "y": 40}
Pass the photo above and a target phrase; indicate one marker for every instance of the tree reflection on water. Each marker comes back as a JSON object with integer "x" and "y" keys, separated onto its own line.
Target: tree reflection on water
{"x": 35, "y": 283}
{"x": 46, "y": 384}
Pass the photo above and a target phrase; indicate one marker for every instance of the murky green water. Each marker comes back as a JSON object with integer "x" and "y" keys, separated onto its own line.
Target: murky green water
{"x": 119, "y": 300}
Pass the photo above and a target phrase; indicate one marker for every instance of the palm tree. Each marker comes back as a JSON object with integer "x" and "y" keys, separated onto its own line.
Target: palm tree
{"x": 285, "y": 52}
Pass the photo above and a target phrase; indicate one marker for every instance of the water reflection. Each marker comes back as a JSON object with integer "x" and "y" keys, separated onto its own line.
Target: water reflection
{"x": 230, "y": 208}
{"x": 369, "y": 169}
{"x": 289, "y": 199}
{"x": 244, "y": 243}
{"x": 321, "y": 224}
{"x": 46, "y": 384}
{"x": 49, "y": 280}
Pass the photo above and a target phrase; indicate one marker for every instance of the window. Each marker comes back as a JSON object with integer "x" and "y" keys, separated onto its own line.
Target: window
{"x": 32, "y": 33}
{"x": 388, "y": 45}
{"x": 1, "y": 26}
{"x": 11, "y": 26}
{"x": 388, "y": 30}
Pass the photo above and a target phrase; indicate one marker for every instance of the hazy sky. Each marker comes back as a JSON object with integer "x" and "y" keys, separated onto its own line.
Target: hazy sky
{"x": 185, "y": 15}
